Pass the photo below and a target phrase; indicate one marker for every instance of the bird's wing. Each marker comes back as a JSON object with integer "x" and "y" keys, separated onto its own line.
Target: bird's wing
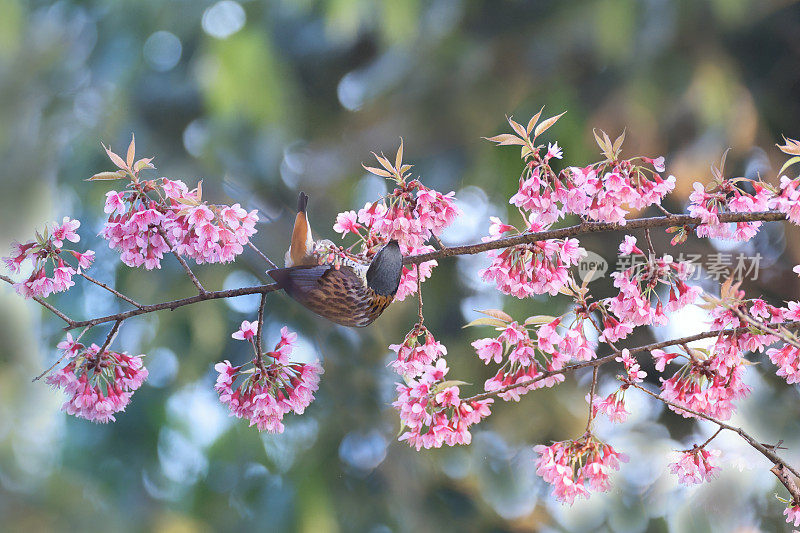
{"x": 339, "y": 295}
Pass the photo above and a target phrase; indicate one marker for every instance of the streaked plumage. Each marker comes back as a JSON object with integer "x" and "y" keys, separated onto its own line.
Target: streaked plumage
{"x": 351, "y": 294}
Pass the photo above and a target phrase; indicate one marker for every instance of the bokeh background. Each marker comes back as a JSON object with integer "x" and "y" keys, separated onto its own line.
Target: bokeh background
{"x": 263, "y": 98}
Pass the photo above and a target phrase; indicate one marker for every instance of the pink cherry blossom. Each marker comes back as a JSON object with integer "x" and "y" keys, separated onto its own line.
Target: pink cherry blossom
{"x": 271, "y": 389}
{"x": 418, "y": 351}
{"x": 114, "y": 203}
{"x": 628, "y": 246}
{"x": 632, "y": 368}
{"x": 246, "y": 331}
{"x": 66, "y": 231}
{"x": 98, "y": 385}
{"x": 554, "y": 151}
{"x": 792, "y": 513}
{"x": 696, "y": 466}
{"x": 613, "y": 406}
{"x": 575, "y": 468}
{"x": 432, "y": 412}
{"x": 346, "y": 222}
{"x": 48, "y": 254}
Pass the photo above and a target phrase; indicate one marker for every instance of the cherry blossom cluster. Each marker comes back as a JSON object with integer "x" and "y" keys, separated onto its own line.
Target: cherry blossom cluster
{"x": 604, "y": 191}
{"x": 613, "y": 405}
{"x": 272, "y": 387}
{"x": 696, "y": 465}
{"x": 639, "y": 286}
{"x": 727, "y": 197}
{"x": 432, "y": 412}
{"x": 541, "y": 267}
{"x": 742, "y": 195}
{"x": 705, "y": 382}
{"x": 152, "y": 217}
{"x": 98, "y": 384}
{"x": 731, "y": 347}
{"x": 47, "y": 254}
{"x": 577, "y": 467}
{"x": 523, "y": 358}
{"x": 418, "y": 351}
{"x": 412, "y": 214}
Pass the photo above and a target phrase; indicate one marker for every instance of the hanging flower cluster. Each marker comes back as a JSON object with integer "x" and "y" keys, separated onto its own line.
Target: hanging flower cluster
{"x": 49, "y": 273}
{"x": 432, "y": 412}
{"x": 524, "y": 359}
{"x": 98, "y": 384}
{"x": 576, "y": 467}
{"x": 269, "y": 387}
{"x": 418, "y": 351}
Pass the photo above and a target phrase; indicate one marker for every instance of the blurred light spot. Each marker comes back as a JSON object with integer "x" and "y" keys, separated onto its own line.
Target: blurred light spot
{"x": 474, "y": 219}
{"x": 162, "y": 366}
{"x": 365, "y": 84}
{"x": 456, "y": 463}
{"x": 363, "y": 451}
{"x": 197, "y": 410}
{"x": 181, "y": 460}
{"x": 242, "y": 304}
{"x": 195, "y": 138}
{"x": 351, "y": 91}
{"x": 507, "y": 475}
{"x": 293, "y": 164}
{"x": 159, "y": 487}
{"x": 88, "y": 106}
{"x": 137, "y": 332}
{"x": 162, "y": 50}
{"x": 684, "y": 322}
{"x": 484, "y": 300}
{"x": 223, "y": 19}
{"x": 369, "y": 189}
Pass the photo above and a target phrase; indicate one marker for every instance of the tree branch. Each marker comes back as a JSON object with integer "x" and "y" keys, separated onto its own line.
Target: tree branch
{"x": 764, "y": 450}
{"x": 260, "y": 253}
{"x": 174, "y": 304}
{"x": 111, "y": 290}
{"x": 605, "y": 359}
{"x": 589, "y": 227}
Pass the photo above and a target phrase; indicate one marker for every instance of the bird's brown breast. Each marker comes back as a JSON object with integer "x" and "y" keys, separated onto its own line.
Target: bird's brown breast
{"x": 338, "y": 294}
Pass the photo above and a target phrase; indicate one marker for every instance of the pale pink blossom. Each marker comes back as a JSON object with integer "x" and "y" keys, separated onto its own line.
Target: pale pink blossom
{"x": 696, "y": 466}
{"x": 246, "y": 331}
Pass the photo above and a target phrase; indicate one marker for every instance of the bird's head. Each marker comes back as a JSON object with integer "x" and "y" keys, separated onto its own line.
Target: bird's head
{"x": 383, "y": 275}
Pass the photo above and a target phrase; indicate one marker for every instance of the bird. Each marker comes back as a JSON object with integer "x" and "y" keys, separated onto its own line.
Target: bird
{"x": 348, "y": 292}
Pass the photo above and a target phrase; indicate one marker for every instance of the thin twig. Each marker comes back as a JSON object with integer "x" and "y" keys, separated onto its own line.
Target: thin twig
{"x": 44, "y": 304}
{"x": 419, "y": 295}
{"x": 764, "y": 450}
{"x": 589, "y": 227}
{"x": 707, "y": 442}
{"x": 174, "y": 304}
{"x": 264, "y": 257}
{"x": 183, "y": 262}
{"x": 591, "y": 399}
{"x": 110, "y": 338}
{"x": 43, "y": 374}
{"x": 649, "y": 242}
{"x": 111, "y": 290}
{"x": 258, "y": 360}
